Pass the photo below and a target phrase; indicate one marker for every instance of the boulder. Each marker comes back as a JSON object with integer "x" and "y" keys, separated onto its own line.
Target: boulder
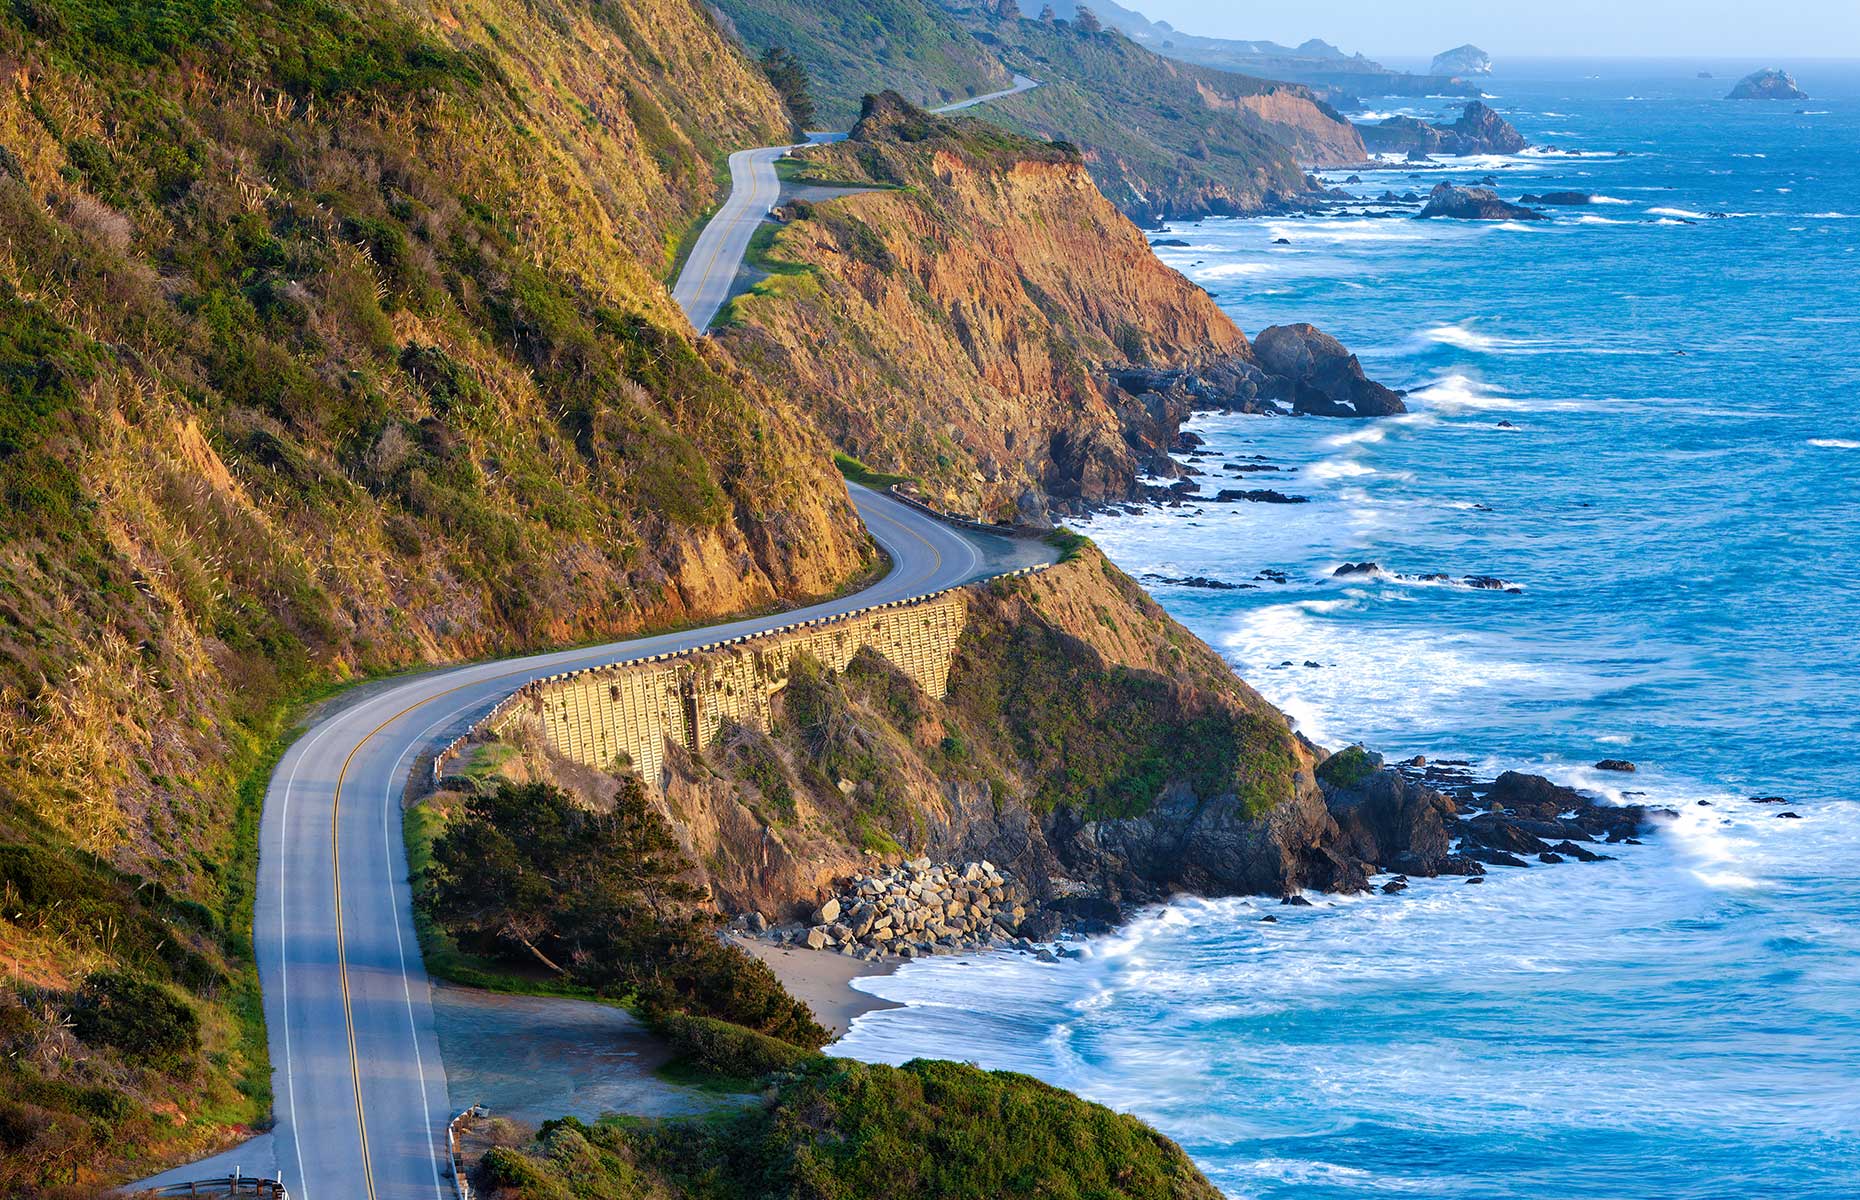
{"x": 1615, "y": 764}
{"x": 816, "y": 938}
{"x": 1324, "y": 378}
{"x": 827, "y": 913}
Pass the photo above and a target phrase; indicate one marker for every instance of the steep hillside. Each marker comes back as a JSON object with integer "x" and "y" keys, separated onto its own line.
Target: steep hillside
{"x": 1165, "y": 139}
{"x": 987, "y": 323}
{"x": 333, "y": 341}
{"x": 855, "y": 47}
{"x": 1161, "y": 137}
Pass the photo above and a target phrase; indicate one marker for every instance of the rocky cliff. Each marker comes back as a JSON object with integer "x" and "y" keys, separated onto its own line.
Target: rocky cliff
{"x": 986, "y": 322}
{"x": 1088, "y": 745}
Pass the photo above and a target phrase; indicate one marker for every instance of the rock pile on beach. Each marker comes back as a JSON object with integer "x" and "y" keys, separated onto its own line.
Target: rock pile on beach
{"x": 920, "y": 908}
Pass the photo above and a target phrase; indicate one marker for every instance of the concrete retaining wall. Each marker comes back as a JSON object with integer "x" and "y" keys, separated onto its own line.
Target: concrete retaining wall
{"x": 622, "y": 715}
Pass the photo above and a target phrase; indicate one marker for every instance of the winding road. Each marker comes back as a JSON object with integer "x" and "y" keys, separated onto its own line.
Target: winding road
{"x": 710, "y": 272}
{"x": 359, "y": 1087}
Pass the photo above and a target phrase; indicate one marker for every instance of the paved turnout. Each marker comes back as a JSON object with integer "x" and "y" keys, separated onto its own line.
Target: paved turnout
{"x": 359, "y": 1088}
{"x": 709, "y": 274}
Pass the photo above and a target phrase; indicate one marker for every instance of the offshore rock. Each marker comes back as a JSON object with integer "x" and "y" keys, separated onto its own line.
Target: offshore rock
{"x": 1462, "y": 60}
{"x": 1479, "y": 130}
{"x": 1325, "y": 379}
{"x": 1772, "y": 83}
{"x": 1474, "y": 204}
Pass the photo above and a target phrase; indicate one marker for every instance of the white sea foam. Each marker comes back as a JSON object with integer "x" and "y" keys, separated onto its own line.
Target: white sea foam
{"x": 1592, "y": 219}
{"x": 1337, "y": 468}
{"x": 1608, "y": 200}
{"x": 1834, "y": 443}
{"x": 1683, "y": 213}
{"x": 1834, "y": 216}
{"x": 1233, "y": 270}
{"x": 1463, "y": 336}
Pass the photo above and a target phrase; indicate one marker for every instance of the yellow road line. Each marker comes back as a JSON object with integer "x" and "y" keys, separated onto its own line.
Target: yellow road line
{"x": 335, "y": 812}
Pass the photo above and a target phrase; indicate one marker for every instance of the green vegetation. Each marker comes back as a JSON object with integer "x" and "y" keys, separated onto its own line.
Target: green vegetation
{"x": 842, "y": 1129}
{"x": 852, "y": 48}
{"x": 859, "y": 473}
{"x": 601, "y": 899}
{"x": 710, "y": 1049}
{"x": 789, "y": 79}
{"x": 1070, "y": 543}
{"x": 1348, "y": 767}
{"x": 1161, "y": 136}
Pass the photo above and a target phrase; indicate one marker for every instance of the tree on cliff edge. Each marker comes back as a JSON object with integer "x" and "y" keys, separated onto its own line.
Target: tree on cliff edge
{"x": 789, "y": 78}
{"x": 1087, "y": 22}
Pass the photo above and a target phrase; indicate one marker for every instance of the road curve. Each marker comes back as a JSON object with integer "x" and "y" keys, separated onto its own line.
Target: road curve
{"x": 709, "y": 274}
{"x": 359, "y": 1090}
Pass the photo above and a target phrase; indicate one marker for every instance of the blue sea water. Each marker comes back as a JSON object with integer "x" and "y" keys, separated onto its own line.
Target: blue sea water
{"x": 1647, "y": 417}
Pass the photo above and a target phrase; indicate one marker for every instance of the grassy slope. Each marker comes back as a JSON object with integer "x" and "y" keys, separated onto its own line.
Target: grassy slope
{"x": 850, "y": 49}
{"x": 1155, "y": 145}
{"x": 306, "y": 378}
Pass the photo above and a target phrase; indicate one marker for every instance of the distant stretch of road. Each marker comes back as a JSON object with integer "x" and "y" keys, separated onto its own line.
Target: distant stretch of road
{"x": 709, "y": 274}
{"x": 359, "y": 1090}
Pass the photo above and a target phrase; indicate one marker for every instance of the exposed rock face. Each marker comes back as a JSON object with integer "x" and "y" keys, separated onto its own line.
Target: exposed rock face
{"x": 1474, "y": 204}
{"x": 1772, "y": 83}
{"x": 1561, "y": 199}
{"x": 991, "y": 328}
{"x": 1479, "y": 130}
{"x": 1326, "y": 379}
{"x": 1462, "y": 60}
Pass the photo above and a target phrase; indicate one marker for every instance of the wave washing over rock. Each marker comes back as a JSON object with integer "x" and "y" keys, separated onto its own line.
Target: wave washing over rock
{"x": 1667, "y": 488}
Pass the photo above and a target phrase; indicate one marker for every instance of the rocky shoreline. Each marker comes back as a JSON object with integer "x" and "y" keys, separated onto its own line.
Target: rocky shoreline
{"x": 1388, "y": 825}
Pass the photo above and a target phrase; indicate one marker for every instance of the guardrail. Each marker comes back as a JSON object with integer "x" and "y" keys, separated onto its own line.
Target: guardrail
{"x": 460, "y": 1184}
{"x": 232, "y": 1185}
{"x": 450, "y": 750}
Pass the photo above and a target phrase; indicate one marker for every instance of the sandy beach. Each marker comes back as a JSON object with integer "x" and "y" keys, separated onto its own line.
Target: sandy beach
{"x": 823, "y": 981}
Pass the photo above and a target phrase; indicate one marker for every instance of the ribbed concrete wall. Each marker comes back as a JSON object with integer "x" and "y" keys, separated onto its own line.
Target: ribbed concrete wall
{"x": 619, "y": 715}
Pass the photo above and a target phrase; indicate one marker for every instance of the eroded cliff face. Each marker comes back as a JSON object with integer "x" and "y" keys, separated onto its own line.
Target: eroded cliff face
{"x": 1087, "y": 743}
{"x": 958, "y": 325}
{"x": 1313, "y": 131}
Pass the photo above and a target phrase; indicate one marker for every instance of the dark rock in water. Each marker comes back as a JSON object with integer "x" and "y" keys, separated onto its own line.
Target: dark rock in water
{"x": 1419, "y": 155}
{"x": 1772, "y": 83}
{"x": 1281, "y": 241}
{"x": 1394, "y": 887}
{"x": 1579, "y": 853}
{"x": 1497, "y": 858}
{"x": 1476, "y": 879}
{"x": 1361, "y": 568}
{"x": 1326, "y": 379}
{"x": 1296, "y": 901}
{"x": 1271, "y": 576}
{"x": 1269, "y": 920}
{"x": 1560, "y": 199}
{"x": 1260, "y": 496}
{"x": 1506, "y": 425}
{"x": 1768, "y": 800}
{"x": 1491, "y": 583}
{"x": 1249, "y": 468}
{"x": 1706, "y": 75}
{"x": 1549, "y": 856}
{"x": 1615, "y": 764}
{"x": 1474, "y": 204}
{"x": 1187, "y": 440}
{"x": 1461, "y": 60}
{"x": 1383, "y": 818}
{"x": 1169, "y": 242}
{"x": 1491, "y": 832}
{"x": 1354, "y": 179}
{"x": 1200, "y": 581}
{"x": 1793, "y": 816}
{"x": 1312, "y": 663}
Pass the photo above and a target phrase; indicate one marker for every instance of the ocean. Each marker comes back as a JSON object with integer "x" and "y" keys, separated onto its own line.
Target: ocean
{"x": 1643, "y": 415}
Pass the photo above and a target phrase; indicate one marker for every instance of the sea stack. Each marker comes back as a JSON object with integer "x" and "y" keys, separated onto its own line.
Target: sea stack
{"x": 1771, "y": 83}
{"x": 1462, "y": 60}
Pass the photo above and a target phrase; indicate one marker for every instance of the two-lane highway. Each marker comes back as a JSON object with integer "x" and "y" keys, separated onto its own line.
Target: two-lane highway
{"x": 359, "y": 1087}
{"x": 710, "y": 272}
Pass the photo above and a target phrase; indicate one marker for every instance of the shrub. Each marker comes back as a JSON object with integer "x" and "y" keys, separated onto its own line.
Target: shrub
{"x": 143, "y": 1019}
{"x": 1348, "y": 767}
{"x": 721, "y": 1049}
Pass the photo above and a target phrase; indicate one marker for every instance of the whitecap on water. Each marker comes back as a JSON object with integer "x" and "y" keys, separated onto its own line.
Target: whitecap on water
{"x": 1835, "y": 443}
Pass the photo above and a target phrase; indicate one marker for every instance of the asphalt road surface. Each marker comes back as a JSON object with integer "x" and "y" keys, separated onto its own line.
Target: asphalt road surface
{"x": 359, "y": 1090}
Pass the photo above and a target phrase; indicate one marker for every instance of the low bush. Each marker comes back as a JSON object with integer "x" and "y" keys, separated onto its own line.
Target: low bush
{"x": 145, "y": 1020}
{"x": 720, "y": 1049}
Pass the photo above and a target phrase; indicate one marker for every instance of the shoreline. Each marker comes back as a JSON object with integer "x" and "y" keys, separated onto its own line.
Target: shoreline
{"x": 823, "y": 980}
